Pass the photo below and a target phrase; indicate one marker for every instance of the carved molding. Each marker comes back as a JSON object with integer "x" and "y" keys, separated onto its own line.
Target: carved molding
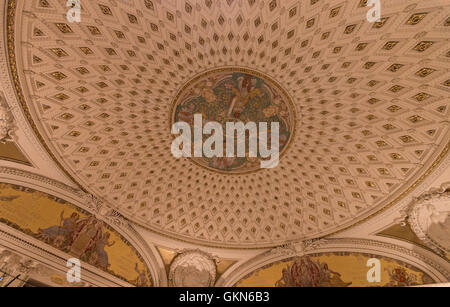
{"x": 298, "y": 248}
{"x": 10, "y": 95}
{"x": 12, "y": 172}
{"x": 7, "y": 125}
{"x": 14, "y": 266}
{"x": 103, "y": 211}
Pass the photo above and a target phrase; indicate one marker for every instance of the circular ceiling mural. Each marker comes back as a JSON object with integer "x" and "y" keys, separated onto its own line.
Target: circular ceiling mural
{"x": 235, "y": 95}
{"x": 371, "y": 101}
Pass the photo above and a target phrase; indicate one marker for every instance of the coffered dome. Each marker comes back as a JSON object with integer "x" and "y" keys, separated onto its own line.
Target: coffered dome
{"x": 371, "y": 104}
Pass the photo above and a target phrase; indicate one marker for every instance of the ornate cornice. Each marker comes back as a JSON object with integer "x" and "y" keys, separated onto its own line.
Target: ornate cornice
{"x": 103, "y": 211}
{"x": 11, "y": 171}
{"x": 298, "y": 248}
{"x": 12, "y": 65}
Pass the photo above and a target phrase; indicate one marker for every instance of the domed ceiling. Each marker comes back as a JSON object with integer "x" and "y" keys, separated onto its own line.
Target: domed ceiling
{"x": 366, "y": 106}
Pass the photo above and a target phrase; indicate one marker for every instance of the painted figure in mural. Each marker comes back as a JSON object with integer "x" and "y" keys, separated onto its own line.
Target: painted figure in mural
{"x": 401, "y": 278}
{"x": 88, "y": 232}
{"x": 243, "y": 93}
{"x": 141, "y": 280}
{"x": 59, "y": 235}
{"x": 186, "y": 114}
{"x": 99, "y": 254}
{"x": 286, "y": 279}
{"x": 305, "y": 272}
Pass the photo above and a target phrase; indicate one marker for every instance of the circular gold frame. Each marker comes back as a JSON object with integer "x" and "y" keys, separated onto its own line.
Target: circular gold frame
{"x": 236, "y": 69}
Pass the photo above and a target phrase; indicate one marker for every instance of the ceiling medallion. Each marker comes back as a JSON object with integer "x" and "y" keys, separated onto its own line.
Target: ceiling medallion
{"x": 429, "y": 217}
{"x": 192, "y": 269}
{"x": 235, "y": 95}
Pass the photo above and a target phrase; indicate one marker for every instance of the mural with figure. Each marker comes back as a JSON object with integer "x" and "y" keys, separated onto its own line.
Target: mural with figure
{"x": 235, "y": 95}
{"x": 83, "y": 238}
{"x": 334, "y": 269}
{"x": 305, "y": 272}
{"x": 72, "y": 230}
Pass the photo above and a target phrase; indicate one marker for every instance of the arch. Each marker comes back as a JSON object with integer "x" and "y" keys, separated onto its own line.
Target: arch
{"x": 357, "y": 250}
{"x": 115, "y": 242}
